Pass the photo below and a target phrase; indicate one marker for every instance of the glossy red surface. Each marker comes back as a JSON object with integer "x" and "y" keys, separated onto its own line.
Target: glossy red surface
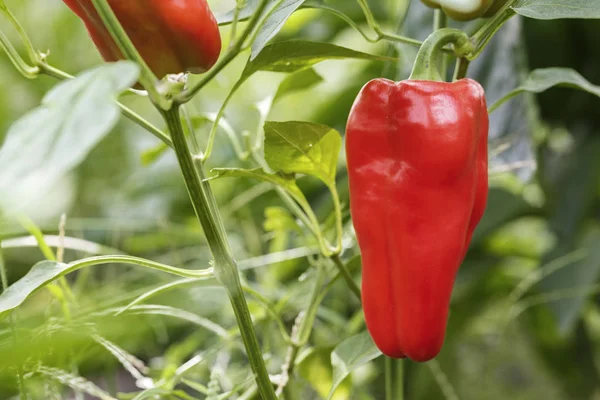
{"x": 172, "y": 36}
{"x": 417, "y": 165}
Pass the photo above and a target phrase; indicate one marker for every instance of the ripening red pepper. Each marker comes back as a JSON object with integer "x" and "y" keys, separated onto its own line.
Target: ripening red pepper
{"x": 417, "y": 164}
{"x": 172, "y": 36}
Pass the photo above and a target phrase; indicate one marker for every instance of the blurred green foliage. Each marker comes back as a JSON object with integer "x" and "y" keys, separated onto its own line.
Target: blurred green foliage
{"x": 549, "y": 349}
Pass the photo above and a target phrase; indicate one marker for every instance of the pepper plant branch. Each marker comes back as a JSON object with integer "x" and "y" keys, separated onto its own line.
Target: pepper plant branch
{"x": 482, "y": 37}
{"x": 31, "y": 52}
{"x": 118, "y": 34}
{"x": 225, "y": 266}
{"x": 233, "y": 51}
{"x": 374, "y": 25}
{"x": 28, "y": 71}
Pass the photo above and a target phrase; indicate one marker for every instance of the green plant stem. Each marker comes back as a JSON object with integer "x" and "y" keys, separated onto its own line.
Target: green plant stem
{"x": 399, "y": 379}
{"x": 236, "y": 17}
{"x": 374, "y": 25}
{"x": 482, "y": 37}
{"x": 233, "y": 51}
{"x": 440, "y": 21}
{"x": 225, "y": 265}
{"x": 28, "y": 71}
{"x": 31, "y": 52}
{"x": 425, "y": 67}
{"x": 462, "y": 66}
{"x": 389, "y": 387}
{"x": 118, "y": 34}
{"x": 346, "y": 275}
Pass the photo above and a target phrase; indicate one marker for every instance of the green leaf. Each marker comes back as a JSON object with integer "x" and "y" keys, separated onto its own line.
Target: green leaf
{"x": 303, "y": 148}
{"x": 300, "y": 80}
{"x": 352, "y": 353}
{"x": 555, "y": 9}
{"x": 245, "y": 13}
{"x": 291, "y": 56}
{"x": 541, "y": 80}
{"x": 273, "y": 25}
{"x": 48, "y": 142}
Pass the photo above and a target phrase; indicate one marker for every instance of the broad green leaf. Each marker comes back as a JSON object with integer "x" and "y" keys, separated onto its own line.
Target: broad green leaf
{"x": 274, "y": 24}
{"x": 301, "y": 80}
{"x": 303, "y": 148}
{"x": 352, "y": 353}
{"x": 555, "y": 9}
{"x": 541, "y": 80}
{"x": 48, "y": 142}
{"x": 291, "y": 56}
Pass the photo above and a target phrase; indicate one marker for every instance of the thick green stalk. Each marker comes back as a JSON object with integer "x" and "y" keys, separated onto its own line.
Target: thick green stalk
{"x": 225, "y": 265}
{"x": 425, "y": 67}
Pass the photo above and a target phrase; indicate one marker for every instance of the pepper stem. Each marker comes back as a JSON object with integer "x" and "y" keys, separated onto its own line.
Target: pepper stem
{"x": 425, "y": 67}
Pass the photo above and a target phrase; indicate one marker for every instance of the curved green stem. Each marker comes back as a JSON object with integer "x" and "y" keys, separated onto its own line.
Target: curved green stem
{"x": 34, "y": 57}
{"x": 373, "y": 24}
{"x": 225, "y": 266}
{"x": 425, "y": 67}
{"x": 28, "y": 71}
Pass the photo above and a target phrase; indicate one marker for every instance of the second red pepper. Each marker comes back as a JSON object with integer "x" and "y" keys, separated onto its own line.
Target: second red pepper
{"x": 172, "y": 36}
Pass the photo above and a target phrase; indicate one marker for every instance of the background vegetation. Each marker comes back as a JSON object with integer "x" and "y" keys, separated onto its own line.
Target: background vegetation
{"x": 525, "y": 318}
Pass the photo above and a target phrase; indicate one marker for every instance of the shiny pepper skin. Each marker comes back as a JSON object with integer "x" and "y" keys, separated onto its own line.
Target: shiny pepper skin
{"x": 461, "y": 10}
{"x": 418, "y": 174}
{"x": 172, "y": 36}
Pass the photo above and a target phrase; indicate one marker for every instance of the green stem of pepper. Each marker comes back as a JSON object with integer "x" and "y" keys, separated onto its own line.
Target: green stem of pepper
{"x": 225, "y": 266}
{"x": 425, "y": 67}
{"x": 440, "y": 21}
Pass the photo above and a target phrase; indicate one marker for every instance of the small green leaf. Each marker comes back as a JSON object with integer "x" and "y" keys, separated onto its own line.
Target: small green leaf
{"x": 245, "y": 13}
{"x": 303, "y": 148}
{"x": 541, "y": 80}
{"x": 555, "y": 9}
{"x": 352, "y": 353}
{"x": 301, "y": 80}
{"x": 273, "y": 24}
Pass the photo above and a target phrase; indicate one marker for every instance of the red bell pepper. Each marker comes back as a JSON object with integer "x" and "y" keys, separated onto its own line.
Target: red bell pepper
{"x": 418, "y": 172}
{"x": 172, "y": 36}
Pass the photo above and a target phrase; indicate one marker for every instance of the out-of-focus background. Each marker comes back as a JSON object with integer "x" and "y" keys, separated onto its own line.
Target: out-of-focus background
{"x": 129, "y": 197}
